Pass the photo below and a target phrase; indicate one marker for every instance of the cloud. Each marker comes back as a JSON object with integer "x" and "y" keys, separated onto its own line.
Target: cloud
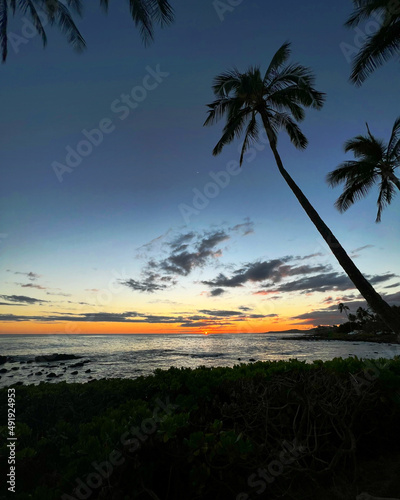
{"x": 245, "y": 228}
{"x": 147, "y": 285}
{"x": 310, "y": 256}
{"x": 32, "y": 276}
{"x": 21, "y": 299}
{"x": 244, "y": 308}
{"x": 204, "y": 318}
{"x": 216, "y": 292}
{"x": 61, "y": 294}
{"x": 395, "y": 285}
{"x": 360, "y": 249}
{"x": 273, "y": 270}
{"x": 328, "y": 282}
{"x": 221, "y": 313}
{"x": 31, "y": 285}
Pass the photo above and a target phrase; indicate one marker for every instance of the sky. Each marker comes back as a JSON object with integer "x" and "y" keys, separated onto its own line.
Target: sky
{"x": 116, "y": 218}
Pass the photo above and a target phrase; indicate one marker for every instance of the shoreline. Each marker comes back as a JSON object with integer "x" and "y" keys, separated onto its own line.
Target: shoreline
{"x": 390, "y": 339}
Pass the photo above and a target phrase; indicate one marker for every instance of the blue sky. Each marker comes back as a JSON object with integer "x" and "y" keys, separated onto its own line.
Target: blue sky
{"x": 76, "y": 235}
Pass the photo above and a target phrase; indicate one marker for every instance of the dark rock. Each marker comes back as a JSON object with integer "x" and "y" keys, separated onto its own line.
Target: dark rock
{"x": 88, "y": 371}
{"x": 239, "y": 359}
{"x": 19, "y": 383}
{"x": 39, "y": 373}
{"x": 22, "y": 362}
{"x": 10, "y": 376}
{"x": 29, "y": 361}
{"x": 76, "y": 365}
{"x": 3, "y": 359}
{"x": 30, "y": 375}
{"x": 3, "y": 370}
{"x": 251, "y": 359}
{"x": 15, "y": 368}
{"x": 74, "y": 373}
{"x": 56, "y": 357}
{"x": 52, "y": 375}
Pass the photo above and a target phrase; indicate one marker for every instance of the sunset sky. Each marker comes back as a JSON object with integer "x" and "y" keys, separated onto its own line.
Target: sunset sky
{"x": 145, "y": 231}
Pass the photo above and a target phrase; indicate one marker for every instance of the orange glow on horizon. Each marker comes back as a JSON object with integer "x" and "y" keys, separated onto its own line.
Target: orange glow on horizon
{"x": 254, "y": 326}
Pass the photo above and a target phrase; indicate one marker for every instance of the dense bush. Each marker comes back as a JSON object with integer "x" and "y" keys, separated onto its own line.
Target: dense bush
{"x": 206, "y": 433}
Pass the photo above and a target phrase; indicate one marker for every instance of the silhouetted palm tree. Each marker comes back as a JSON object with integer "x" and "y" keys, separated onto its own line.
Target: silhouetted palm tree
{"x": 278, "y": 98}
{"x": 145, "y": 14}
{"x": 376, "y": 162}
{"x": 343, "y": 308}
{"x": 380, "y": 46}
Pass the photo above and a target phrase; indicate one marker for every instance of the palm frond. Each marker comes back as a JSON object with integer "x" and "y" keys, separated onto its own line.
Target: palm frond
{"x": 279, "y": 58}
{"x": 351, "y": 170}
{"x": 353, "y": 192}
{"x": 68, "y": 27}
{"x": 27, "y": 6}
{"x": 104, "y": 5}
{"x": 233, "y": 129}
{"x": 251, "y": 136}
{"x": 386, "y": 193}
{"x": 3, "y": 29}
{"x": 145, "y": 12}
{"x": 218, "y": 109}
{"x": 366, "y": 147}
{"x": 288, "y": 99}
{"x": 162, "y": 12}
{"x": 297, "y": 138}
{"x": 378, "y": 49}
{"x": 226, "y": 82}
{"x": 75, "y": 6}
{"x": 301, "y": 77}
{"x": 364, "y": 9}
{"x": 394, "y": 138}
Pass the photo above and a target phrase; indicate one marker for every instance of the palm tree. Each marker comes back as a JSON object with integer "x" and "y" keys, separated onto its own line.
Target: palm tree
{"x": 278, "y": 98}
{"x": 343, "y": 308}
{"x": 145, "y": 14}
{"x": 380, "y": 46}
{"x": 375, "y": 162}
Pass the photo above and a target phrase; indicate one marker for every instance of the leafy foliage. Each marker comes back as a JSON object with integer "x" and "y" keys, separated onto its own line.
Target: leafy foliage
{"x": 225, "y": 424}
{"x": 145, "y": 14}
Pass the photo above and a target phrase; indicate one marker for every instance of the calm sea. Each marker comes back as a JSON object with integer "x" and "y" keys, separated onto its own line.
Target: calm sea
{"x": 129, "y": 356}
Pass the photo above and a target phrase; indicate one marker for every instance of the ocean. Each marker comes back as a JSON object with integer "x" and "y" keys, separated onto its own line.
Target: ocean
{"x": 130, "y": 356}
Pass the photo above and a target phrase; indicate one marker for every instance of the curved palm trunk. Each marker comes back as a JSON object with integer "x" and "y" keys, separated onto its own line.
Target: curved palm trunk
{"x": 382, "y": 308}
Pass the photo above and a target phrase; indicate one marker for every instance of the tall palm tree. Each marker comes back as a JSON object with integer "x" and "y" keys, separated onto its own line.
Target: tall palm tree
{"x": 145, "y": 14}
{"x": 375, "y": 162}
{"x": 278, "y": 98}
{"x": 380, "y": 46}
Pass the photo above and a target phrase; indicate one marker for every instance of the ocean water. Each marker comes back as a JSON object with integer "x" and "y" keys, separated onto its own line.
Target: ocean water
{"x": 129, "y": 356}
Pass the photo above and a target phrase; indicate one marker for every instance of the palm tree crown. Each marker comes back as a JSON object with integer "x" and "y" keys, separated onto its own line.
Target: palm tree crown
{"x": 278, "y": 98}
{"x": 375, "y": 162}
{"x": 380, "y": 46}
{"x": 145, "y": 14}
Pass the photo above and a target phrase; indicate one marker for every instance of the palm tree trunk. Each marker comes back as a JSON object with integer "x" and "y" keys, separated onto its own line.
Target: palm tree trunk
{"x": 382, "y": 308}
